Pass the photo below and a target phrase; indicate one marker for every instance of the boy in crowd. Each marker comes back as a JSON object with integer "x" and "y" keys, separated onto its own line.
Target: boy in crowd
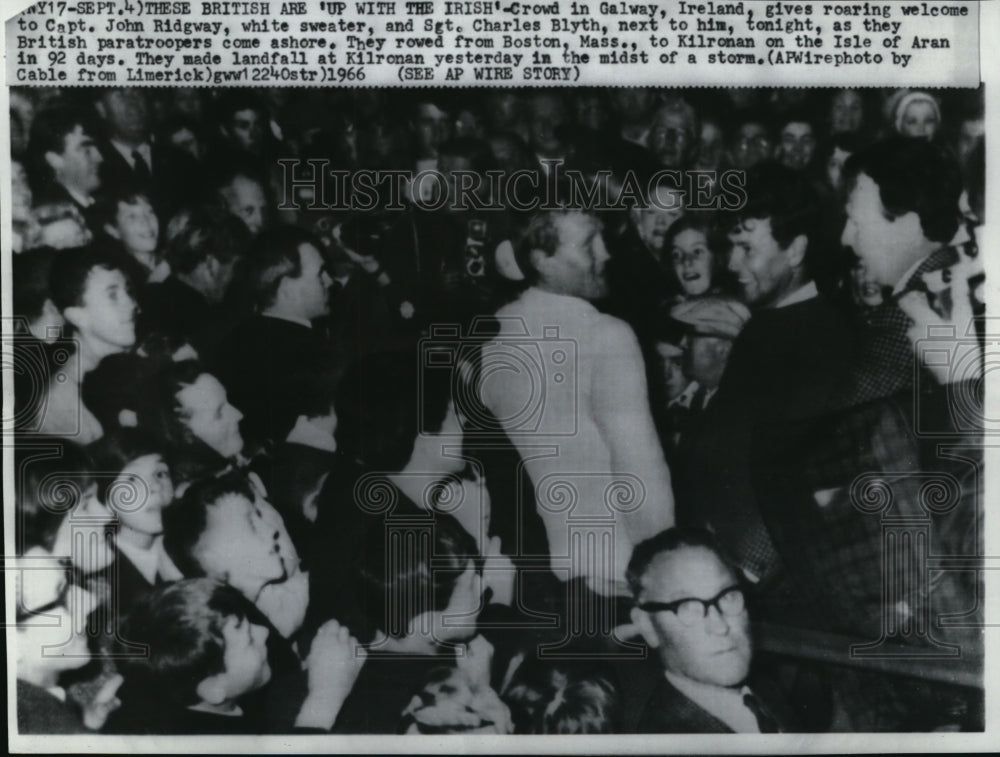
{"x": 206, "y": 653}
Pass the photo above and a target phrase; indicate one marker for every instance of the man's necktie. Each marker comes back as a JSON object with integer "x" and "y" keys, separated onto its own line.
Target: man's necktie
{"x": 765, "y": 722}
{"x": 143, "y": 175}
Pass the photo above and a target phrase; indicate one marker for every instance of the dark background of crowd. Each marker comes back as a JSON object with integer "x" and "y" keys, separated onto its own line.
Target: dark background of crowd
{"x": 180, "y": 192}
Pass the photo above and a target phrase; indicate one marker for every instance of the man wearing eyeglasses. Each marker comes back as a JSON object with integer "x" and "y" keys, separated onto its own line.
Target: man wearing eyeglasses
{"x": 691, "y": 611}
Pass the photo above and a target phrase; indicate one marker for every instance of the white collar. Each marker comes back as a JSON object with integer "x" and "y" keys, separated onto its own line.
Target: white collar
{"x": 289, "y": 318}
{"x": 722, "y": 702}
{"x": 126, "y": 152}
{"x": 236, "y": 712}
{"x": 150, "y": 562}
{"x": 83, "y": 200}
{"x": 901, "y": 284}
{"x": 805, "y": 292}
{"x": 308, "y": 434}
{"x": 685, "y": 398}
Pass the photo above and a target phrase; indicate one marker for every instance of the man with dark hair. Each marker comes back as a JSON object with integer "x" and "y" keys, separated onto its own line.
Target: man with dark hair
{"x": 784, "y": 365}
{"x": 691, "y": 610}
{"x": 92, "y": 293}
{"x": 223, "y": 528}
{"x": 64, "y": 160}
{"x": 263, "y": 360}
{"x": 596, "y": 408}
{"x": 902, "y": 211}
{"x": 796, "y": 142}
{"x": 203, "y": 254}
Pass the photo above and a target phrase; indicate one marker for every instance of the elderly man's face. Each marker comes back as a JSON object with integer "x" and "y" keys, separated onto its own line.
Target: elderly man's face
{"x": 716, "y": 649}
{"x": 705, "y": 358}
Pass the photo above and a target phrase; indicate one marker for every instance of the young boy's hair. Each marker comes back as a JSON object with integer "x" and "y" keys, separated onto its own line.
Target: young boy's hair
{"x": 182, "y": 626}
{"x": 401, "y": 573}
{"x": 114, "y": 451}
{"x": 549, "y": 699}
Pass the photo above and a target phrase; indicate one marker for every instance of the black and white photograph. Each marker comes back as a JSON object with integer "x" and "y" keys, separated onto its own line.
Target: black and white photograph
{"x": 496, "y": 411}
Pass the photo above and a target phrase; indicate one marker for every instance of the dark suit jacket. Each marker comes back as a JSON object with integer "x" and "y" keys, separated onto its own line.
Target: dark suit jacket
{"x": 172, "y": 179}
{"x": 261, "y": 363}
{"x": 54, "y": 192}
{"x": 650, "y": 704}
{"x": 785, "y": 366}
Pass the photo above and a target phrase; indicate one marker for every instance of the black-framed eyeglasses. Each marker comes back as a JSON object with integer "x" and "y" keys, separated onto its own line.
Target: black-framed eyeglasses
{"x": 729, "y": 602}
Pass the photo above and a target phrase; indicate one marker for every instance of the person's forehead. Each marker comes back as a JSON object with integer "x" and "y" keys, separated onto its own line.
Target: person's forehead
{"x": 205, "y": 391}
{"x": 797, "y": 127}
{"x": 133, "y": 204}
{"x": 752, "y": 129}
{"x": 689, "y": 238}
{"x": 247, "y": 114}
{"x": 227, "y": 510}
{"x": 750, "y": 229}
{"x": 685, "y": 572}
{"x": 100, "y": 278}
{"x": 244, "y": 187}
{"x": 671, "y": 118}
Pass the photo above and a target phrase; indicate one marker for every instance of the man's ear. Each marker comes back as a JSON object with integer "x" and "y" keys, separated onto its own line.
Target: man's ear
{"x": 641, "y": 621}
{"x": 796, "y": 252}
{"x": 112, "y": 231}
{"x": 54, "y": 160}
{"x": 541, "y": 261}
{"x": 76, "y": 316}
{"x": 909, "y": 225}
{"x": 212, "y": 690}
{"x": 102, "y": 111}
{"x": 50, "y": 311}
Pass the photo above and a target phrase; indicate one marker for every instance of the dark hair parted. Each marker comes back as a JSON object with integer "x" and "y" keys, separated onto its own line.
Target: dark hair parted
{"x": 275, "y": 256}
{"x": 671, "y": 540}
{"x": 913, "y": 176}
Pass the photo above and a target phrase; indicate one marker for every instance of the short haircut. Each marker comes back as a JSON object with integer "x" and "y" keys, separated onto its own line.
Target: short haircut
{"x": 275, "y": 256}
{"x": 671, "y": 540}
{"x": 786, "y": 198}
{"x": 184, "y": 522}
{"x": 384, "y": 401}
{"x": 50, "y": 478}
{"x": 70, "y": 271}
{"x": 207, "y": 232}
{"x": 913, "y": 176}
{"x": 560, "y": 699}
{"x": 106, "y": 210}
{"x": 30, "y": 281}
{"x": 540, "y": 233}
{"x": 680, "y": 107}
{"x": 48, "y": 134}
{"x": 116, "y": 450}
{"x": 182, "y": 626}
{"x": 396, "y": 582}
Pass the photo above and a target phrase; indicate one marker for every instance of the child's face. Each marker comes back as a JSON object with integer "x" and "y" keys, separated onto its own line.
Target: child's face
{"x": 247, "y": 667}
{"x": 692, "y": 262}
{"x": 137, "y": 226}
{"x": 148, "y": 477}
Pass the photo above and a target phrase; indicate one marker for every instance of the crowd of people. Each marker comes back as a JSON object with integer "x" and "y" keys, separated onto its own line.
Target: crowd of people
{"x": 542, "y": 445}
